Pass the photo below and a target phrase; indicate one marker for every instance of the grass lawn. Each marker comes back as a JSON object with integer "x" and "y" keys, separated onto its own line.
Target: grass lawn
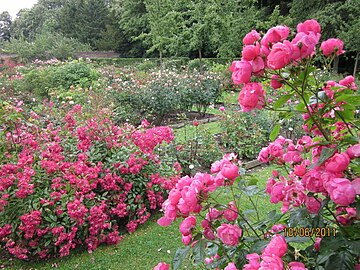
{"x": 143, "y": 249}
{"x": 187, "y": 132}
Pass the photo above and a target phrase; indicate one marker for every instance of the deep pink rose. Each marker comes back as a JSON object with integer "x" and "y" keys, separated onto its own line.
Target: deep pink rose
{"x": 332, "y": 45}
{"x": 341, "y": 191}
{"x": 309, "y": 26}
{"x": 241, "y": 71}
{"x": 313, "y": 181}
{"x": 299, "y": 170}
{"x": 275, "y": 82}
{"x": 296, "y": 266}
{"x": 277, "y": 192}
{"x": 275, "y": 34}
{"x": 353, "y": 151}
{"x": 252, "y": 96}
{"x": 229, "y": 234}
{"x": 264, "y": 155}
{"x": 280, "y": 55}
{"x": 313, "y": 205}
{"x": 271, "y": 262}
{"x": 317, "y": 244}
{"x": 277, "y": 246}
{"x": 230, "y": 171}
{"x": 231, "y": 266}
{"x": 162, "y": 266}
{"x": 258, "y": 65}
{"x": 337, "y": 163}
{"x": 251, "y": 38}
{"x": 250, "y": 52}
{"x": 187, "y": 225}
{"x": 186, "y": 239}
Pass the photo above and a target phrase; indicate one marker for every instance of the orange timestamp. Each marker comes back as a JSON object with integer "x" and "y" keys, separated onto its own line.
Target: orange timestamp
{"x": 309, "y": 232}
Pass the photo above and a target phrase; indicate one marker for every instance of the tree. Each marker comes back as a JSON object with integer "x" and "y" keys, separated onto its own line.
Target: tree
{"x": 5, "y": 26}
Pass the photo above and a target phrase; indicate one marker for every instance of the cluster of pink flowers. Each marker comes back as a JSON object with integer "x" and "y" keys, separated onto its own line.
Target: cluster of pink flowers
{"x": 83, "y": 185}
{"x": 273, "y": 51}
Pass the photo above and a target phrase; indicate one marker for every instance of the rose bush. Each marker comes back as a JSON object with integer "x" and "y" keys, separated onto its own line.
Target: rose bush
{"x": 78, "y": 181}
{"x": 317, "y": 180}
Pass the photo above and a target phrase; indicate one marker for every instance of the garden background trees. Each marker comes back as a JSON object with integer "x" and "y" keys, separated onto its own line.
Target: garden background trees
{"x": 190, "y": 28}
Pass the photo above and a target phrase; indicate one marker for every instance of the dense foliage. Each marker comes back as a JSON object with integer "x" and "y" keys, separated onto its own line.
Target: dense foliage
{"x": 75, "y": 181}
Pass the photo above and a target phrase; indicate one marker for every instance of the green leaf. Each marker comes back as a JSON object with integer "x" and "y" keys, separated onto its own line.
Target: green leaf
{"x": 350, "y": 99}
{"x": 297, "y": 239}
{"x": 179, "y": 257}
{"x": 325, "y": 154}
{"x": 281, "y": 101}
{"x": 342, "y": 260}
{"x": 199, "y": 252}
{"x": 275, "y": 132}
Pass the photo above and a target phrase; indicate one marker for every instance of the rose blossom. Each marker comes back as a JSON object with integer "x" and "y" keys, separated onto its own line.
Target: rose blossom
{"x": 275, "y": 34}
{"x": 296, "y": 266}
{"x": 241, "y": 71}
{"x": 254, "y": 262}
{"x": 252, "y": 96}
{"x": 309, "y": 26}
{"x": 229, "y": 234}
{"x": 250, "y": 52}
{"x": 231, "y": 266}
{"x": 277, "y": 246}
{"x": 280, "y": 55}
{"x": 341, "y": 191}
{"x": 187, "y": 225}
{"x": 162, "y": 266}
{"x": 331, "y": 46}
{"x": 251, "y": 37}
{"x": 275, "y": 82}
{"x": 349, "y": 82}
{"x": 230, "y": 171}
{"x": 337, "y": 163}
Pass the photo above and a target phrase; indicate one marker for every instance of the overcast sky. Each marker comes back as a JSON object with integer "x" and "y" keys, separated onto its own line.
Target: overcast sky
{"x": 13, "y": 6}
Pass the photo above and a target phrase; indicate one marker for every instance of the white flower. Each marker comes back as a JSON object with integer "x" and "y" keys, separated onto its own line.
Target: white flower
{"x": 71, "y": 102}
{"x": 191, "y": 166}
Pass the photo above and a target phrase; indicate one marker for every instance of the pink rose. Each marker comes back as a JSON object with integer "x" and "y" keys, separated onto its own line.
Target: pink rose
{"x": 313, "y": 205}
{"x": 254, "y": 262}
{"x": 257, "y": 65}
{"x": 296, "y": 266}
{"x": 280, "y": 55}
{"x": 309, "y": 26}
{"x": 299, "y": 170}
{"x": 264, "y": 155}
{"x": 252, "y": 96}
{"x": 341, "y": 191}
{"x": 332, "y": 45}
{"x": 277, "y": 246}
{"x": 275, "y": 34}
{"x": 230, "y": 171}
{"x": 349, "y": 82}
{"x": 162, "y": 266}
{"x": 231, "y": 213}
{"x": 271, "y": 262}
{"x": 356, "y": 185}
{"x": 230, "y": 266}
{"x": 337, "y": 163}
{"x": 353, "y": 151}
{"x": 241, "y": 71}
{"x": 187, "y": 225}
{"x": 275, "y": 82}
{"x": 303, "y": 45}
{"x": 250, "y": 52}
{"x": 251, "y": 38}
{"x": 277, "y": 192}
{"x": 186, "y": 239}
{"x": 317, "y": 244}
{"x": 229, "y": 234}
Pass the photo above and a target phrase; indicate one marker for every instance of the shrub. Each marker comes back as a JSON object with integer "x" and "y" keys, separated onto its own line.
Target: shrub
{"x": 82, "y": 182}
{"x": 245, "y": 134}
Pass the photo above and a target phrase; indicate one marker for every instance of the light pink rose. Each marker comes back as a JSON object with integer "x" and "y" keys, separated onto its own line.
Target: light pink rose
{"x": 231, "y": 213}
{"x": 187, "y": 225}
{"x": 275, "y": 82}
{"x": 280, "y": 55}
{"x": 337, "y": 163}
{"x": 341, "y": 191}
{"x": 241, "y": 71}
{"x": 353, "y": 151}
{"x": 230, "y": 171}
{"x": 251, "y": 38}
{"x": 332, "y": 45}
{"x": 229, "y": 234}
{"x": 162, "y": 266}
{"x": 277, "y": 246}
{"x": 230, "y": 266}
{"x": 252, "y": 96}
{"x": 296, "y": 266}
{"x": 309, "y": 26}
